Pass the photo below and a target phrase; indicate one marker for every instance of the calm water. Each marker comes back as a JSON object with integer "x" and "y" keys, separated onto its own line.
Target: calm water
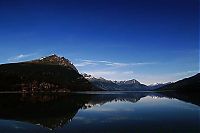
{"x": 110, "y": 112}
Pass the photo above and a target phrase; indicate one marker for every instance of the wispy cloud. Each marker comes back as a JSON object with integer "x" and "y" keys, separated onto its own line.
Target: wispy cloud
{"x": 112, "y": 75}
{"x": 117, "y": 64}
{"x": 186, "y": 73}
{"x": 84, "y": 63}
{"x": 20, "y": 57}
{"x": 101, "y": 73}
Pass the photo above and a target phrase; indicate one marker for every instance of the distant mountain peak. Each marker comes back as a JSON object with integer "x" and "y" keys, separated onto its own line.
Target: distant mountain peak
{"x": 156, "y": 84}
{"x": 55, "y": 60}
{"x": 115, "y": 85}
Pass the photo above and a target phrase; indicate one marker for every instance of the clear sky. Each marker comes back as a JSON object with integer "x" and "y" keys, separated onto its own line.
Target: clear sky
{"x": 149, "y": 40}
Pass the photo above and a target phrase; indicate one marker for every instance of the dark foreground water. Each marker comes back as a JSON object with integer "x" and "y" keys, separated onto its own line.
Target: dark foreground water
{"x": 110, "y": 112}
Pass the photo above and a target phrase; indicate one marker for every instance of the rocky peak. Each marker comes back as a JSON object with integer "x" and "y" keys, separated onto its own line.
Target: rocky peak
{"x": 55, "y": 60}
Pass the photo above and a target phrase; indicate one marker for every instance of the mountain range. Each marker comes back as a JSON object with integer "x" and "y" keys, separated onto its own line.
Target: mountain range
{"x": 58, "y": 74}
{"x": 126, "y": 85}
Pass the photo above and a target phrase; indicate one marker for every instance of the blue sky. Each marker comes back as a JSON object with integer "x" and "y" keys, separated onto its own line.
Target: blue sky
{"x": 151, "y": 41}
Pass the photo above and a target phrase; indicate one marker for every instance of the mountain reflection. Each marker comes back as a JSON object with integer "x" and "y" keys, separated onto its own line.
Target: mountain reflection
{"x": 55, "y": 110}
{"x": 50, "y": 111}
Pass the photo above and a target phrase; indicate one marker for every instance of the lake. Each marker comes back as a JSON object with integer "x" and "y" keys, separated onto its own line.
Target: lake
{"x": 97, "y": 112}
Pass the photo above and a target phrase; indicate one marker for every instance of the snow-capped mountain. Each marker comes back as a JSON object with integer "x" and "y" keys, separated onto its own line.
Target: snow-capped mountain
{"x": 129, "y": 85}
{"x": 157, "y": 85}
{"x": 102, "y": 83}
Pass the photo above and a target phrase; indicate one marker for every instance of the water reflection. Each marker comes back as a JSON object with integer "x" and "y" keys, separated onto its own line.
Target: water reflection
{"x": 47, "y": 110}
{"x": 56, "y": 111}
